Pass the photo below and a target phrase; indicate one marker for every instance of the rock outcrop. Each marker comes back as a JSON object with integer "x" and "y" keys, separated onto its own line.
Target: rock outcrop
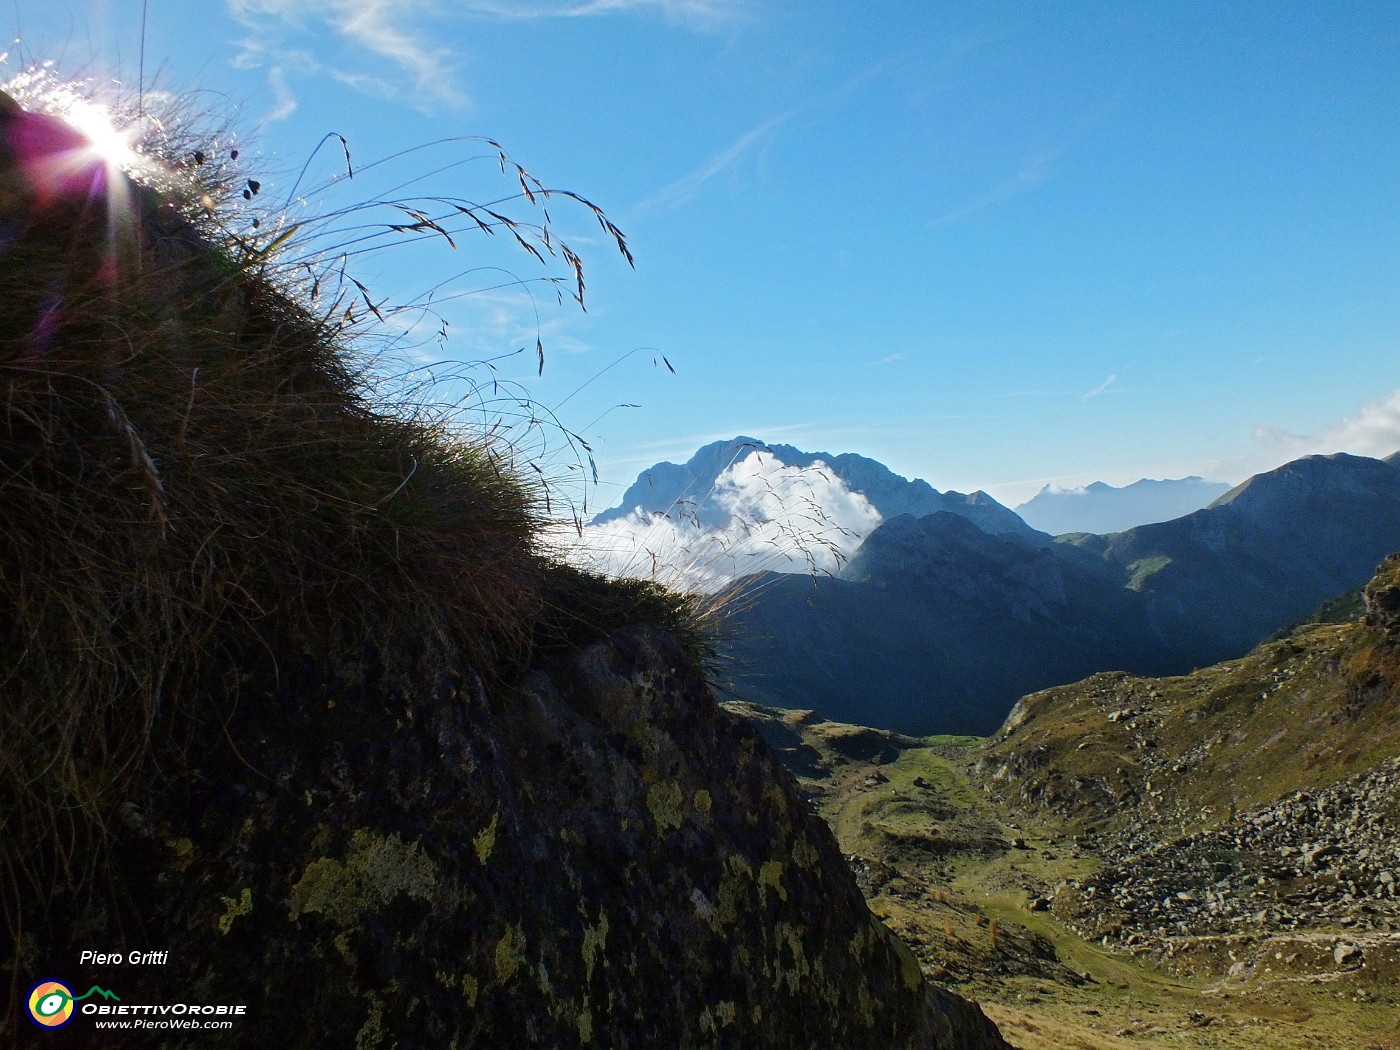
{"x": 597, "y": 856}
{"x": 1382, "y": 597}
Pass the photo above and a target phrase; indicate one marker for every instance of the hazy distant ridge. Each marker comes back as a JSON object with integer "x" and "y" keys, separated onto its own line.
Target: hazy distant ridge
{"x": 1102, "y": 508}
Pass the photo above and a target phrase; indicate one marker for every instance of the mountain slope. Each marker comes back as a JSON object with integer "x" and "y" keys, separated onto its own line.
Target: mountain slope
{"x": 1249, "y": 806}
{"x": 1267, "y": 552}
{"x": 934, "y": 626}
{"x": 1202, "y": 860}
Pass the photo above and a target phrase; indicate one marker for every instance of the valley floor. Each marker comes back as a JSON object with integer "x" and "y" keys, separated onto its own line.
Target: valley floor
{"x": 968, "y": 882}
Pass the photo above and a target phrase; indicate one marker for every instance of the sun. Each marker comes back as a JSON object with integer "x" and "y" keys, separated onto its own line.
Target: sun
{"x": 105, "y": 141}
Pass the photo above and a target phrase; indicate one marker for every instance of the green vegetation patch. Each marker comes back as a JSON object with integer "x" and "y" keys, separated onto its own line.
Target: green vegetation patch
{"x": 1140, "y": 571}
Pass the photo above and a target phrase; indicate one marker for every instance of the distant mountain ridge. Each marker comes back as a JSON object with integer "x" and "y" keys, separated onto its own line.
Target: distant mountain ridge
{"x": 935, "y": 626}
{"x": 1102, "y": 508}
{"x": 685, "y": 488}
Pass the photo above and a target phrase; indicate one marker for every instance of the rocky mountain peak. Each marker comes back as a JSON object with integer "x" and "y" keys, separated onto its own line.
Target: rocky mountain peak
{"x": 688, "y": 490}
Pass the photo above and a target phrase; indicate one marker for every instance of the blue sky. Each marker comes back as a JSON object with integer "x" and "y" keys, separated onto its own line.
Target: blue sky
{"x": 992, "y": 245}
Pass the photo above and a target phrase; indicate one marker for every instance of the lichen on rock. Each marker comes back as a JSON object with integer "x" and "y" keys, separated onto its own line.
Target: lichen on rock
{"x": 377, "y": 869}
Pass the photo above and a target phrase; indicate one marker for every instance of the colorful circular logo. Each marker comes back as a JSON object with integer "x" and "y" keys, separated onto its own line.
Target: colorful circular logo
{"x": 51, "y": 1004}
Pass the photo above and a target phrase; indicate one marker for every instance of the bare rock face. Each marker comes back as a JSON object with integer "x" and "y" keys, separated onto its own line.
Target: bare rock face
{"x": 1382, "y": 597}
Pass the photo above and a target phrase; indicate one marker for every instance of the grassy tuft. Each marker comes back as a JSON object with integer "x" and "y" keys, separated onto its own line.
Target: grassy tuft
{"x": 199, "y": 484}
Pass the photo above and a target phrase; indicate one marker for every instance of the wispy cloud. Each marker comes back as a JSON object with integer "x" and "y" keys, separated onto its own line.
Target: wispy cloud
{"x": 1038, "y": 167}
{"x": 386, "y": 29}
{"x": 397, "y": 31}
{"x": 685, "y": 188}
{"x": 364, "y": 82}
{"x": 370, "y": 24}
{"x": 1373, "y": 430}
{"x": 285, "y": 103}
{"x": 485, "y": 322}
{"x": 702, "y": 14}
{"x": 1102, "y": 388}
{"x": 259, "y": 52}
{"x": 1032, "y": 174}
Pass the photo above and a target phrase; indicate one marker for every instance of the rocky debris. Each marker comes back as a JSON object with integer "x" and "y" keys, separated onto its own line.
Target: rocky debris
{"x": 1317, "y": 860}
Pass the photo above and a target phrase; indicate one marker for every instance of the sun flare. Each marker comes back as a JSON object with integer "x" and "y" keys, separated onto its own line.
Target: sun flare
{"x": 107, "y": 142}
{"x": 72, "y": 141}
